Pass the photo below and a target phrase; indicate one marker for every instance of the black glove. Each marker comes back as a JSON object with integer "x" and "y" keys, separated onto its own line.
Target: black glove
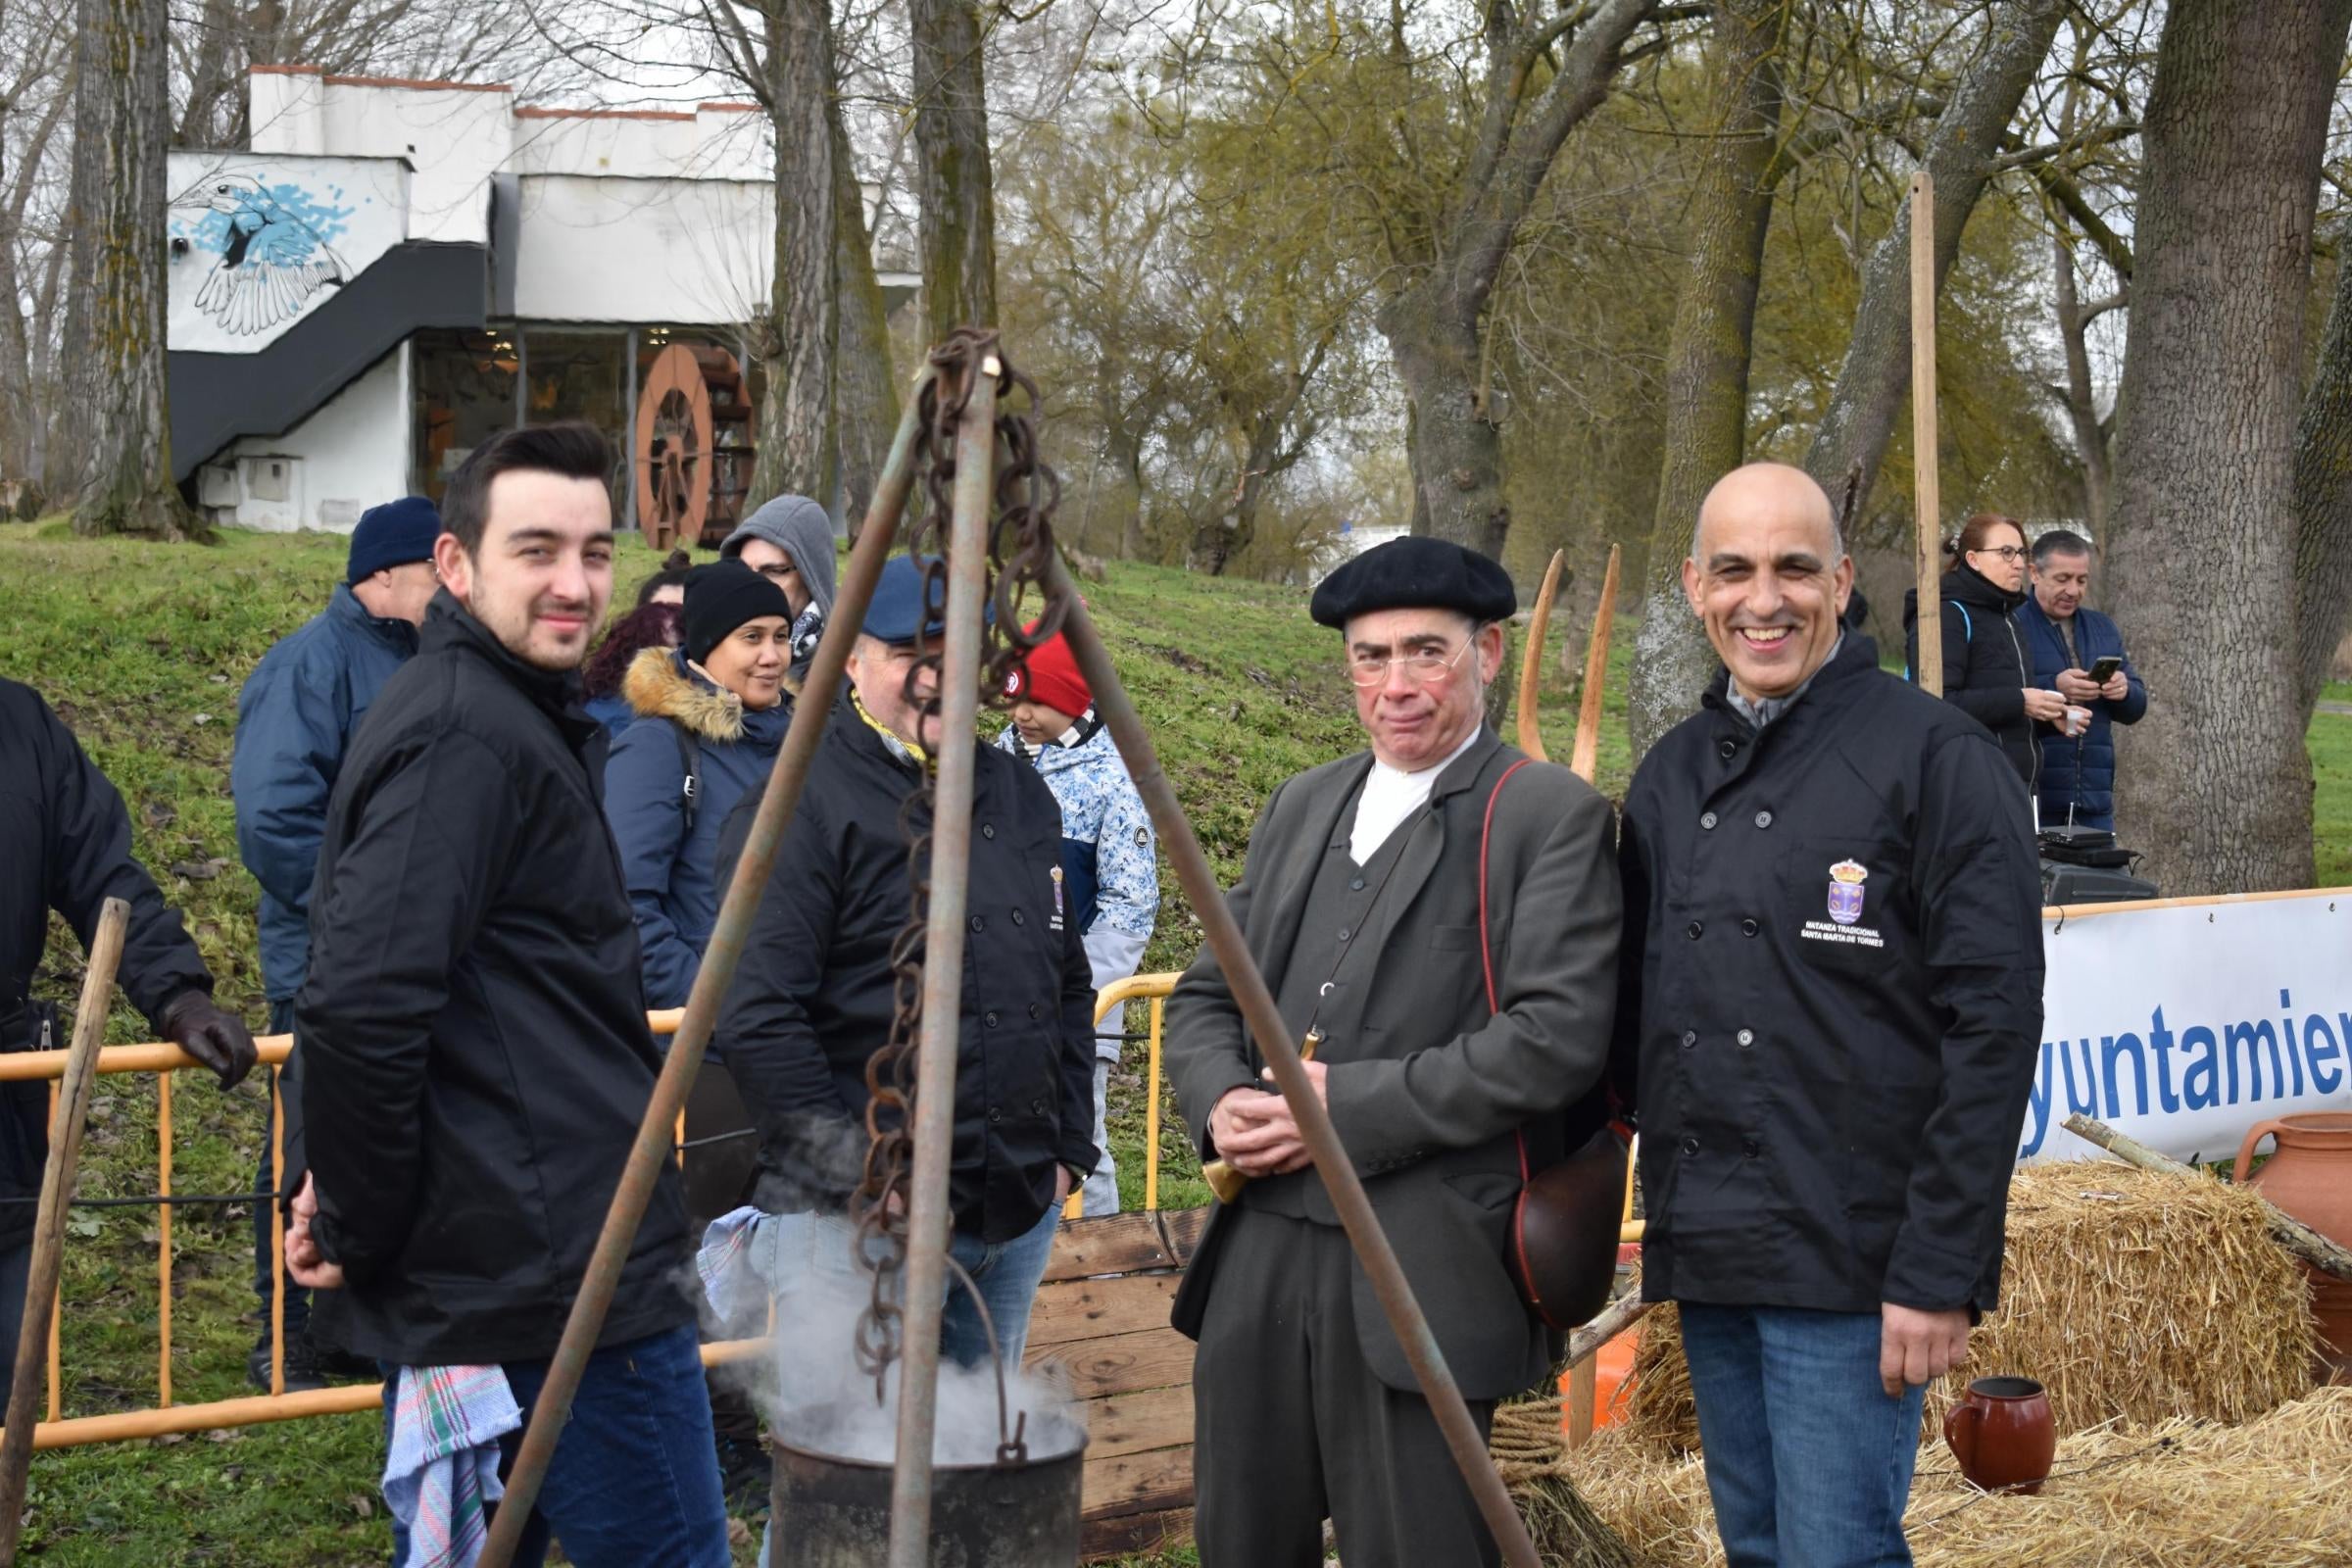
{"x": 221, "y": 1042}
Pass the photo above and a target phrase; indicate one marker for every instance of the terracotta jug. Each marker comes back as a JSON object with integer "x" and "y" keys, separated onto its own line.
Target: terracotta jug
{"x": 2002, "y": 1434}
{"x": 2311, "y": 1178}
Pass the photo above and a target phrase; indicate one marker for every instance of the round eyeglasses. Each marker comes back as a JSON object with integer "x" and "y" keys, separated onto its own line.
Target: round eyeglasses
{"x": 1419, "y": 668}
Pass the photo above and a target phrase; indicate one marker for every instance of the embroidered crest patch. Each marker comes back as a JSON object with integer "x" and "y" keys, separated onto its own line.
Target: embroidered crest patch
{"x": 1846, "y": 890}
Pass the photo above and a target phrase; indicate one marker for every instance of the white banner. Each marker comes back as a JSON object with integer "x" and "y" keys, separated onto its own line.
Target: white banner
{"x": 2187, "y": 1022}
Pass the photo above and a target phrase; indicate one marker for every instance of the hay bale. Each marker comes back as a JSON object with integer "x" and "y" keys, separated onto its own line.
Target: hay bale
{"x": 2270, "y": 1493}
{"x": 2128, "y": 1293}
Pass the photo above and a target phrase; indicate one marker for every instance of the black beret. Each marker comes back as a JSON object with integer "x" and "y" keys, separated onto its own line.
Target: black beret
{"x": 1415, "y": 574}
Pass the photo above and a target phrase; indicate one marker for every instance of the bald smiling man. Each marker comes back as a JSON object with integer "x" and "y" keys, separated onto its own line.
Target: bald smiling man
{"x": 1832, "y": 985}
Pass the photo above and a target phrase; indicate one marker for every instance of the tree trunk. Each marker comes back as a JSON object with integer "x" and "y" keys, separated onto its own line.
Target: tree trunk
{"x": 1435, "y": 325}
{"x": 1869, "y": 395}
{"x": 2215, "y": 782}
{"x": 1708, "y": 353}
{"x": 958, "y": 223}
{"x": 865, "y": 383}
{"x": 85, "y": 188}
{"x": 796, "y": 427}
{"x": 130, "y": 488}
{"x": 2081, "y": 409}
{"x": 2324, "y": 497}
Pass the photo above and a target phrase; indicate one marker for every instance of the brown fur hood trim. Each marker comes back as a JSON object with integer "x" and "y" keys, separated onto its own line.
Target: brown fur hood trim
{"x": 657, "y": 688}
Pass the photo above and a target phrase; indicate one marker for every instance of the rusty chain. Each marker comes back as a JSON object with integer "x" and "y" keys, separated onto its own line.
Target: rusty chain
{"x": 1020, "y": 550}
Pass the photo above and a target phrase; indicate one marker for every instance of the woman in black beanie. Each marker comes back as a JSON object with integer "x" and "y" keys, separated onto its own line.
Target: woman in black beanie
{"x": 721, "y": 701}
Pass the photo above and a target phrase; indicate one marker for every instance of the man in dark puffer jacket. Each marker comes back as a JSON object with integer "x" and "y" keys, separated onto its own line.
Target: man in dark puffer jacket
{"x": 2064, "y": 637}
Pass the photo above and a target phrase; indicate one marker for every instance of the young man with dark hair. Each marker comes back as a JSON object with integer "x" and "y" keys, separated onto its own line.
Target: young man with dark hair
{"x": 296, "y": 716}
{"x": 2065, "y": 639}
{"x": 473, "y": 1047}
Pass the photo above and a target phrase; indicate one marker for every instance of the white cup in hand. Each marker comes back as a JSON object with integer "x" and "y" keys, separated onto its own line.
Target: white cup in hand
{"x": 2077, "y": 719}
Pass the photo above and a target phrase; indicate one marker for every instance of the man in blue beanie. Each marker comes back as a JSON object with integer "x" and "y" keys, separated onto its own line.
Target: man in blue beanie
{"x": 295, "y": 719}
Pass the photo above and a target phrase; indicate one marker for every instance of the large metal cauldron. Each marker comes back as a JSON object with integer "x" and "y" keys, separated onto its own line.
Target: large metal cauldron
{"x": 832, "y": 1513}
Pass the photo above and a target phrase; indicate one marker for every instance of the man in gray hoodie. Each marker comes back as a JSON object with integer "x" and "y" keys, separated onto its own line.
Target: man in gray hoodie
{"x": 789, "y": 540}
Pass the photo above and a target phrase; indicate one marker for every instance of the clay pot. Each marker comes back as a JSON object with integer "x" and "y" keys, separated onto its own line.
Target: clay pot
{"x": 2002, "y": 1434}
{"x": 2311, "y": 1179}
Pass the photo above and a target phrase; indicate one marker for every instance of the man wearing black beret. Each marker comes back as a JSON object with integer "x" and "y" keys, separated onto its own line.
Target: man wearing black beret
{"x": 1441, "y": 914}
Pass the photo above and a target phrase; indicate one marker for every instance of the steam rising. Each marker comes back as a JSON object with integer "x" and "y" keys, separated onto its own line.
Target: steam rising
{"x": 811, "y": 1389}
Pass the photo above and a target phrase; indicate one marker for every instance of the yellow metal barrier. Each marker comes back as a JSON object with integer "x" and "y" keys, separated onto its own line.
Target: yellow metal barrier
{"x": 58, "y": 1431}
{"x": 1154, "y": 988}
{"x": 61, "y": 1432}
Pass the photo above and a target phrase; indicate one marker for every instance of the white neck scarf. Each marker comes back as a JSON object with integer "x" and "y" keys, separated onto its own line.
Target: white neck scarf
{"x": 1391, "y": 795}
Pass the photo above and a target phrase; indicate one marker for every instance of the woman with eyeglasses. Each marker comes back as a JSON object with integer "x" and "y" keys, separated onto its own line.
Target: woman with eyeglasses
{"x": 1986, "y": 671}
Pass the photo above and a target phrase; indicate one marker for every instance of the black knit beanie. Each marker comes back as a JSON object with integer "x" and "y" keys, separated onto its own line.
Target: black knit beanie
{"x": 721, "y": 596}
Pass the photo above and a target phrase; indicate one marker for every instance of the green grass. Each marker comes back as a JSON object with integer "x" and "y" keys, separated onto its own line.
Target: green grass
{"x": 2330, "y": 743}
{"x": 143, "y": 648}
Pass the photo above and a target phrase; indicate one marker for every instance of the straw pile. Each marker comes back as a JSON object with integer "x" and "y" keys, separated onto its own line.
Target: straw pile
{"x": 1569, "y": 1534}
{"x": 2272, "y": 1494}
{"x": 2128, "y": 1293}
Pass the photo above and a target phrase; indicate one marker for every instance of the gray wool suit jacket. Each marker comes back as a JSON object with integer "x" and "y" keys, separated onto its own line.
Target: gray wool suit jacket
{"x": 1428, "y": 1088}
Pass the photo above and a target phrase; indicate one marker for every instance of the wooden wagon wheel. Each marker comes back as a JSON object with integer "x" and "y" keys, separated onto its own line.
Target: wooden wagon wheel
{"x": 693, "y": 446}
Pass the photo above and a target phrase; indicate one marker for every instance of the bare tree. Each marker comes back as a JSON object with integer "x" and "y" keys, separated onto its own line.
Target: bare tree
{"x": 1713, "y": 336}
{"x": 1962, "y": 154}
{"x": 1434, "y": 322}
{"x": 121, "y": 128}
{"x": 2205, "y": 449}
{"x": 2078, "y": 396}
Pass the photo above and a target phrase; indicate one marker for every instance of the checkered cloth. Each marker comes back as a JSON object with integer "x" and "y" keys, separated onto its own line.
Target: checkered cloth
{"x": 738, "y": 1296}
{"x": 442, "y": 1471}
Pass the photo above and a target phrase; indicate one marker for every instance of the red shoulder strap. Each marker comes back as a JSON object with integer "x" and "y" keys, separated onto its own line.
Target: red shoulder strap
{"x": 1485, "y": 834}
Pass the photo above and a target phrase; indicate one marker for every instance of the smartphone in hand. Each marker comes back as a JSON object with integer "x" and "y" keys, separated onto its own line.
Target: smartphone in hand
{"x": 2105, "y": 669}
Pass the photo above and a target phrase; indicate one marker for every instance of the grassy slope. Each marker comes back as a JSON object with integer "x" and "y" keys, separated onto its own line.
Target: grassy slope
{"x": 144, "y": 647}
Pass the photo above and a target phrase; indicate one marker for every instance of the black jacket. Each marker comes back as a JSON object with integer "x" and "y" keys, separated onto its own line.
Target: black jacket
{"x": 65, "y": 845}
{"x": 473, "y": 1048}
{"x": 812, "y": 998}
{"x": 1985, "y": 667}
{"x": 1835, "y": 998}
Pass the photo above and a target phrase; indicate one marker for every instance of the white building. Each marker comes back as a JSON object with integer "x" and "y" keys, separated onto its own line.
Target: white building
{"x": 395, "y": 269}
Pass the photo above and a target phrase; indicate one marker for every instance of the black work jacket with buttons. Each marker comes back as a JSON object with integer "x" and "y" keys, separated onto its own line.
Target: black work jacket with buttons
{"x": 1835, "y": 1000}
{"x": 813, "y": 995}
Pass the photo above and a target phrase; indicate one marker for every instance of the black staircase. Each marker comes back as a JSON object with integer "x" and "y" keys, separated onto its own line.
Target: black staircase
{"x": 220, "y": 398}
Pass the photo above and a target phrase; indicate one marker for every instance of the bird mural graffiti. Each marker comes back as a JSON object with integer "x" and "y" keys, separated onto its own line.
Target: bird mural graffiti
{"x": 272, "y": 260}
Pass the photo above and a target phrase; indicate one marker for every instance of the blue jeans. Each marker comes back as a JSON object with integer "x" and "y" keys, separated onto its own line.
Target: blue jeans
{"x": 809, "y": 1259}
{"x": 1808, "y": 1459}
{"x": 634, "y": 1482}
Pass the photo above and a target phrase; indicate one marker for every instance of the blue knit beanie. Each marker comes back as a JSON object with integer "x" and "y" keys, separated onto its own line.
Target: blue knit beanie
{"x": 393, "y": 535}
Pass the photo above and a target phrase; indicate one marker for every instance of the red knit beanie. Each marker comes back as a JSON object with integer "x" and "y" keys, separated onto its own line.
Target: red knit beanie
{"x": 1049, "y": 675}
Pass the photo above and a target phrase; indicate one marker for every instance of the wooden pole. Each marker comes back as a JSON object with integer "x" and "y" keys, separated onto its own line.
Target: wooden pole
{"x": 1927, "y": 497}
{"x": 49, "y": 1223}
{"x": 1587, "y": 757}
{"x": 1621, "y": 1314}
{"x": 1530, "y": 660}
{"x": 2289, "y": 1232}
